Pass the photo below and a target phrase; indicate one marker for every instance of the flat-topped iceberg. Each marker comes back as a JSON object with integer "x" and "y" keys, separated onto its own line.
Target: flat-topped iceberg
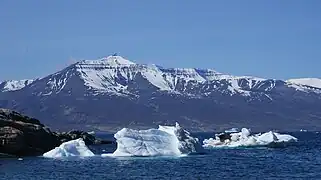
{"x": 245, "y": 139}
{"x": 164, "y": 141}
{"x": 69, "y": 149}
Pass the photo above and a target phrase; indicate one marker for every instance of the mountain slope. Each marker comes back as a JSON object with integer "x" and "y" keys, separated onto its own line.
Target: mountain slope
{"x": 113, "y": 92}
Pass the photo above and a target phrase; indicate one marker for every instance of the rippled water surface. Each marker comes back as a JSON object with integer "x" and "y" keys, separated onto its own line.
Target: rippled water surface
{"x": 302, "y": 161}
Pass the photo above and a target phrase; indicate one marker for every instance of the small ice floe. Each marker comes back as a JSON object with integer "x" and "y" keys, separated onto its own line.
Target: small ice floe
{"x": 233, "y": 130}
{"x": 71, "y": 148}
{"x": 91, "y": 132}
{"x": 245, "y": 139}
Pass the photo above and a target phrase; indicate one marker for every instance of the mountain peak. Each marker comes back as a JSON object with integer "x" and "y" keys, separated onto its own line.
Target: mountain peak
{"x": 113, "y": 60}
{"x": 116, "y": 60}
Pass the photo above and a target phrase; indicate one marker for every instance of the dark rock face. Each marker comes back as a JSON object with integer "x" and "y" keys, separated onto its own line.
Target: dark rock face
{"x": 24, "y": 136}
{"x": 11, "y": 139}
{"x": 15, "y": 116}
{"x": 224, "y": 136}
{"x": 88, "y": 138}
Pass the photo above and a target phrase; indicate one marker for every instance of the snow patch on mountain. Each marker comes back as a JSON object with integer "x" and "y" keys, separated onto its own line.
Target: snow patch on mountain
{"x": 235, "y": 88}
{"x": 155, "y": 77}
{"x": 313, "y": 82}
{"x": 173, "y": 75}
{"x": 109, "y": 74}
{"x": 57, "y": 82}
{"x": 305, "y": 84}
{"x": 240, "y": 84}
{"x": 14, "y": 85}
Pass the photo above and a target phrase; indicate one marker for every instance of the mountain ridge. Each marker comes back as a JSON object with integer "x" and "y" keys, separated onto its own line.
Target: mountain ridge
{"x": 196, "y": 74}
{"x": 95, "y": 93}
{"x": 14, "y": 85}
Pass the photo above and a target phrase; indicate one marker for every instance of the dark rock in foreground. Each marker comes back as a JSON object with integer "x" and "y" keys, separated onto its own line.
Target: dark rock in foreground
{"x": 75, "y": 134}
{"x": 24, "y": 136}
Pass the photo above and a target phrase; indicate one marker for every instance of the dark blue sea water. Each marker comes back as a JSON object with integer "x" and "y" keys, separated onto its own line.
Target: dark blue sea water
{"x": 301, "y": 161}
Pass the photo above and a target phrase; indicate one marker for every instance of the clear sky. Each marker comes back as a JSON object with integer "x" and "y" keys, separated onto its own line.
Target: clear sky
{"x": 271, "y": 38}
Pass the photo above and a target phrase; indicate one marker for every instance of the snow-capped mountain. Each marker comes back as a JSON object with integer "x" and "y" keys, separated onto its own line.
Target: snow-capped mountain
{"x": 112, "y": 92}
{"x": 13, "y": 85}
{"x": 116, "y": 75}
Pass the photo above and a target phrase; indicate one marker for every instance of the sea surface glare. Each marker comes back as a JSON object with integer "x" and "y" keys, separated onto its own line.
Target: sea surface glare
{"x": 300, "y": 161}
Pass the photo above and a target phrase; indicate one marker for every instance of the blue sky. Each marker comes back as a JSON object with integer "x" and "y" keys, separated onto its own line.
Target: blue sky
{"x": 271, "y": 39}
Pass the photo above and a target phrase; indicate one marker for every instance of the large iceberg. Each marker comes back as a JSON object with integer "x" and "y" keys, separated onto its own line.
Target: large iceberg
{"x": 245, "y": 139}
{"x": 68, "y": 149}
{"x": 164, "y": 141}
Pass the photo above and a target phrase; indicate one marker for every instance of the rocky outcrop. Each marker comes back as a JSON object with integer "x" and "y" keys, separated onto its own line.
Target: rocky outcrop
{"x": 75, "y": 134}
{"x": 24, "y": 136}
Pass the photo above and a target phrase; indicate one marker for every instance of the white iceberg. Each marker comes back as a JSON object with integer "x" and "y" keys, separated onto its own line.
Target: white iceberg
{"x": 245, "y": 139}
{"x": 164, "y": 141}
{"x": 68, "y": 149}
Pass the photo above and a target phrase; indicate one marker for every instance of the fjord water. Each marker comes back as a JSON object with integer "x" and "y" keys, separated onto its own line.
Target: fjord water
{"x": 300, "y": 161}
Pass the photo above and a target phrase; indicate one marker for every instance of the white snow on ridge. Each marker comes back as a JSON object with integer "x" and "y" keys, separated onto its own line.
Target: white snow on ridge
{"x": 155, "y": 77}
{"x": 14, "y": 85}
{"x": 306, "y": 85}
{"x": 109, "y": 74}
{"x": 173, "y": 75}
{"x": 57, "y": 82}
{"x": 112, "y": 61}
{"x": 313, "y": 82}
{"x": 234, "y": 86}
{"x": 106, "y": 74}
{"x": 105, "y": 78}
{"x": 101, "y": 80}
{"x": 113, "y": 73}
{"x": 232, "y": 77}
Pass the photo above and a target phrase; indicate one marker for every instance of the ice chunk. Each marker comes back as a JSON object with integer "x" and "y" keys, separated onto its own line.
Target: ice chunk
{"x": 233, "y": 130}
{"x": 285, "y": 138}
{"x": 71, "y": 148}
{"x": 164, "y": 141}
{"x": 150, "y": 142}
{"x": 267, "y": 137}
{"x": 187, "y": 144}
{"x": 235, "y": 137}
{"x": 245, "y": 139}
{"x": 245, "y": 132}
